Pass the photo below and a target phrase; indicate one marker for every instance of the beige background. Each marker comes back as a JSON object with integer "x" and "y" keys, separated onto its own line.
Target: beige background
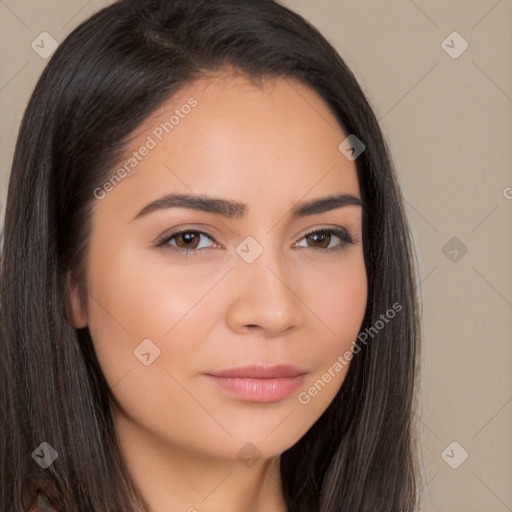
{"x": 449, "y": 124}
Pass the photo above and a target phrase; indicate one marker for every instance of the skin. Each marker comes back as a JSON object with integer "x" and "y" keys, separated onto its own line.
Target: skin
{"x": 268, "y": 147}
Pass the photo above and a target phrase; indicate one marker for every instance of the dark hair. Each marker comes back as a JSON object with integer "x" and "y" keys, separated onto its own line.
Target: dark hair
{"x": 107, "y": 76}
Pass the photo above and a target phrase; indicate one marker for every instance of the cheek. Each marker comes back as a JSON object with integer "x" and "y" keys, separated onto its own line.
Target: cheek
{"x": 339, "y": 308}
{"x": 134, "y": 299}
{"x": 134, "y": 302}
{"x": 337, "y": 295}
{"x": 145, "y": 297}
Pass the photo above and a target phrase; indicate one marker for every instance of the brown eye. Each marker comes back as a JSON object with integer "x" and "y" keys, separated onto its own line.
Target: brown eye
{"x": 190, "y": 239}
{"x": 186, "y": 241}
{"x": 320, "y": 239}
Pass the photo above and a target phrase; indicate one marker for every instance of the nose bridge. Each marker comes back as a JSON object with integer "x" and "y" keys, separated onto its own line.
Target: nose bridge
{"x": 264, "y": 295}
{"x": 269, "y": 270}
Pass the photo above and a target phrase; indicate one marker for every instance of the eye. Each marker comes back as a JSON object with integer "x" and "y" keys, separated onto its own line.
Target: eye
{"x": 322, "y": 238}
{"x": 187, "y": 241}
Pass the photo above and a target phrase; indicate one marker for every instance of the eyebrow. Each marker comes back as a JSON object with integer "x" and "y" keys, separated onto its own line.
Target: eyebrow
{"x": 237, "y": 210}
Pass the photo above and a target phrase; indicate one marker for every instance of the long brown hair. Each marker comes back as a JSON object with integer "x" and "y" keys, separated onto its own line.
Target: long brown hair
{"x": 107, "y": 76}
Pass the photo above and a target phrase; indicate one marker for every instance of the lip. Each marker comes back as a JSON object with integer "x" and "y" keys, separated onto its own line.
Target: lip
{"x": 257, "y": 371}
{"x": 257, "y": 383}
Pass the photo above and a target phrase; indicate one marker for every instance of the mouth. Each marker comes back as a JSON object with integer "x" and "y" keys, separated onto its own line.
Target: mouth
{"x": 258, "y": 383}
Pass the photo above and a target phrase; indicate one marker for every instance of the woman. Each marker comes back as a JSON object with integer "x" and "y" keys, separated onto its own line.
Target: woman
{"x": 274, "y": 367}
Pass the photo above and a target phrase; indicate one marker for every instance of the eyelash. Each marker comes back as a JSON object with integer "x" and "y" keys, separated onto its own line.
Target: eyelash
{"x": 342, "y": 234}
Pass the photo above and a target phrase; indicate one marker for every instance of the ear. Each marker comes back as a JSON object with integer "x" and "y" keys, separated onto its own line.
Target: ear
{"x": 77, "y": 310}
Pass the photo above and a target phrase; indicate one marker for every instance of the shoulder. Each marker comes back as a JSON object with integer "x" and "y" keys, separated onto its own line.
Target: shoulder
{"x": 41, "y": 503}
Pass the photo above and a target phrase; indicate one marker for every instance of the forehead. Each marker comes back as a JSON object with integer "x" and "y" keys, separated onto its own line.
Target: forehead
{"x": 227, "y": 135}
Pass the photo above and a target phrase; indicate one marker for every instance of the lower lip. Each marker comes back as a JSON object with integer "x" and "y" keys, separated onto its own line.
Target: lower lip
{"x": 259, "y": 390}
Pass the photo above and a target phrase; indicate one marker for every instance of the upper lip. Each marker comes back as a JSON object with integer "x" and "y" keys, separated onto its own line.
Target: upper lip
{"x": 261, "y": 372}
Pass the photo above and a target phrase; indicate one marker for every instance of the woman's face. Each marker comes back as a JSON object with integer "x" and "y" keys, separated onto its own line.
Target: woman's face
{"x": 247, "y": 284}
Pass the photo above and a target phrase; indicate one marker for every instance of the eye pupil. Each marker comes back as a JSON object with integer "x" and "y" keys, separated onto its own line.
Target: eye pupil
{"x": 187, "y": 236}
{"x": 323, "y": 236}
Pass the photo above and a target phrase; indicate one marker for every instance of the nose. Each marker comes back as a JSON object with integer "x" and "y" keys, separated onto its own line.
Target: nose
{"x": 264, "y": 297}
